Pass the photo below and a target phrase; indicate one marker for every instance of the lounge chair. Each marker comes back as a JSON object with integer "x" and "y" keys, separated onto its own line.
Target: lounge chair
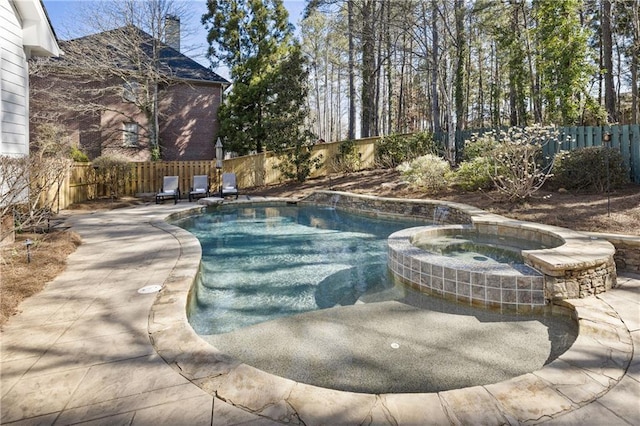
{"x": 229, "y": 185}
{"x": 169, "y": 189}
{"x": 200, "y": 187}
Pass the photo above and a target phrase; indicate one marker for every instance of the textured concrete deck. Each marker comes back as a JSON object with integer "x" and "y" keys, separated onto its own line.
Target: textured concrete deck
{"x": 91, "y": 349}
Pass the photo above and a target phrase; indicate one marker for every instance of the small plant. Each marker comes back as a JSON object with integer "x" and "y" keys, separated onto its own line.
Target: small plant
{"x": 586, "y": 169}
{"x": 113, "y": 171}
{"x": 298, "y": 162}
{"x": 78, "y": 156}
{"x": 475, "y": 174}
{"x": 347, "y": 160}
{"x": 393, "y": 150}
{"x": 479, "y": 146}
{"x": 155, "y": 153}
{"x": 426, "y": 172}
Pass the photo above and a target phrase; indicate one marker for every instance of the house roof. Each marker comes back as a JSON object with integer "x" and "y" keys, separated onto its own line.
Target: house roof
{"x": 172, "y": 62}
{"x": 37, "y": 33}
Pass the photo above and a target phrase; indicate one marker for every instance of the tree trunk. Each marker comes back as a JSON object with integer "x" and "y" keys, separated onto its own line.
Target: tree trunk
{"x": 389, "y": 126}
{"x": 401, "y": 95}
{"x": 368, "y": 65}
{"x": 635, "y": 59}
{"x": 460, "y": 64}
{"x": 352, "y": 88}
{"x": 607, "y": 53}
{"x": 435, "y": 105}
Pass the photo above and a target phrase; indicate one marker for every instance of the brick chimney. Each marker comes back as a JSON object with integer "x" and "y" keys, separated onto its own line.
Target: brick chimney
{"x": 172, "y": 31}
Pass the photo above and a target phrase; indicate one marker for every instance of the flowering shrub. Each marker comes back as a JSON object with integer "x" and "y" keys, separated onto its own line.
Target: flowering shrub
{"x": 519, "y": 168}
{"x": 426, "y": 172}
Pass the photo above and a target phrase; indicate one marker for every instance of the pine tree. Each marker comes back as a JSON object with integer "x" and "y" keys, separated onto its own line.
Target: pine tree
{"x": 266, "y": 108}
{"x": 562, "y": 59}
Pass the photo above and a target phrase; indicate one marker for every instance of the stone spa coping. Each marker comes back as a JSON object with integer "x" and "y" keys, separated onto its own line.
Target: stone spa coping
{"x": 595, "y": 363}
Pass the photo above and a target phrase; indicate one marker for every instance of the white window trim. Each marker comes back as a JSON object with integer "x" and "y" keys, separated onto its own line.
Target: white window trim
{"x": 130, "y": 134}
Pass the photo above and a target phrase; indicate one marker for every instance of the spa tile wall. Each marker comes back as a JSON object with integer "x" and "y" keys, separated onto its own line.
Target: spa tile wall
{"x": 515, "y": 288}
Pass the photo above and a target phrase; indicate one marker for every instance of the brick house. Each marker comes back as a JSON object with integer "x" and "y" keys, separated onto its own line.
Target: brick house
{"x": 107, "y": 110}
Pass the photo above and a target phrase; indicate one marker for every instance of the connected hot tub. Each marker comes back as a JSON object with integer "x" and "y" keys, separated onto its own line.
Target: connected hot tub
{"x": 510, "y": 265}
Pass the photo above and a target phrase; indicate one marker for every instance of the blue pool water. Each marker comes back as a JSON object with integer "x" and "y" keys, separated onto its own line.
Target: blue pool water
{"x": 303, "y": 293}
{"x": 262, "y": 263}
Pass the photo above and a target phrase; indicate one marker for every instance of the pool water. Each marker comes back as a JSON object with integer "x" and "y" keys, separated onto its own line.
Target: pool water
{"x": 263, "y": 263}
{"x": 303, "y": 293}
{"x": 479, "y": 248}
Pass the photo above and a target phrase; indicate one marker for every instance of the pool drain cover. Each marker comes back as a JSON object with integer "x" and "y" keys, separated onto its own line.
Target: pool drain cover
{"x": 150, "y": 289}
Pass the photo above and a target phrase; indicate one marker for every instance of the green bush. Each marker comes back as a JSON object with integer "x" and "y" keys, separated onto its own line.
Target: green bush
{"x": 298, "y": 162}
{"x": 586, "y": 169}
{"x": 347, "y": 159}
{"x": 475, "y": 174}
{"x": 393, "y": 150}
{"x": 426, "y": 172}
{"x": 78, "y": 156}
{"x": 479, "y": 146}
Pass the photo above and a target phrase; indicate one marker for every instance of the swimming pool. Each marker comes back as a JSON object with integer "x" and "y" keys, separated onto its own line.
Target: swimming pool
{"x": 266, "y": 262}
{"x": 303, "y": 293}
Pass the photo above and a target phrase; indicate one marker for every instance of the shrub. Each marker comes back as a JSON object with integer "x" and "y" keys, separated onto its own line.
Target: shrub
{"x": 519, "y": 167}
{"x": 426, "y": 172}
{"x": 475, "y": 174}
{"x": 479, "y": 146}
{"x": 298, "y": 162}
{"x": 112, "y": 171}
{"x": 347, "y": 159}
{"x": 29, "y": 183}
{"x": 78, "y": 156}
{"x": 393, "y": 150}
{"x": 586, "y": 169}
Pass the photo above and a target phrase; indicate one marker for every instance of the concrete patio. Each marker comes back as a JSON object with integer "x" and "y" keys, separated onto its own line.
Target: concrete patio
{"x": 82, "y": 351}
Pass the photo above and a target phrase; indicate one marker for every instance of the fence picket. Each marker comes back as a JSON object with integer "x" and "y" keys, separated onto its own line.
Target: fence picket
{"x": 625, "y": 146}
{"x": 634, "y": 137}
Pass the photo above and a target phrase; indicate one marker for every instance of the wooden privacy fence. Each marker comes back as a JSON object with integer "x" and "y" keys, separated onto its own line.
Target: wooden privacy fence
{"x": 257, "y": 170}
{"x": 82, "y": 183}
{"x": 625, "y": 138}
{"x": 262, "y": 169}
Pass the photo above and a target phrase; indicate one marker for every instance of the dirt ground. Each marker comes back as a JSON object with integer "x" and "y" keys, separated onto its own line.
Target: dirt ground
{"x": 21, "y": 278}
{"x": 578, "y": 211}
{"x": 617, "y": 213}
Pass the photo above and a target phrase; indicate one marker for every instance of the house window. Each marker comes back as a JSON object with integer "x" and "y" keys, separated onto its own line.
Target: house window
{"x": 130, "y": 134}
{"x": 130, "y": 90}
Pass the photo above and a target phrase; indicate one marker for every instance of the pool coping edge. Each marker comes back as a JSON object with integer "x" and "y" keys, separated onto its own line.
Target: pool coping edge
{"x": 594, "y": 363}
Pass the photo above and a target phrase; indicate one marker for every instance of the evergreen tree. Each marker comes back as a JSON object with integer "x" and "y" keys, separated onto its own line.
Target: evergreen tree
{"x": 266, "y": 108}
{"x": 562, "y": 60}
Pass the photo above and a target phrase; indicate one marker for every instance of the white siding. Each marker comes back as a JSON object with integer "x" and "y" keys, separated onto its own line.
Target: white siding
{"x": 14, "y": 85}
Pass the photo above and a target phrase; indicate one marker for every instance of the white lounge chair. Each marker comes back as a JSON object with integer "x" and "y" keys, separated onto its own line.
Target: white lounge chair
{"x": 170, "y": 189}
{"x": 200, "y": 187}
{"x": 229, "y": 185}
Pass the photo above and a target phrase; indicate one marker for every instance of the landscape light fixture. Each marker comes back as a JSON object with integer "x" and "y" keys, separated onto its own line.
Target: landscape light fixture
{"x": 606, "y": 140}
{"x": 28, "y": 244}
